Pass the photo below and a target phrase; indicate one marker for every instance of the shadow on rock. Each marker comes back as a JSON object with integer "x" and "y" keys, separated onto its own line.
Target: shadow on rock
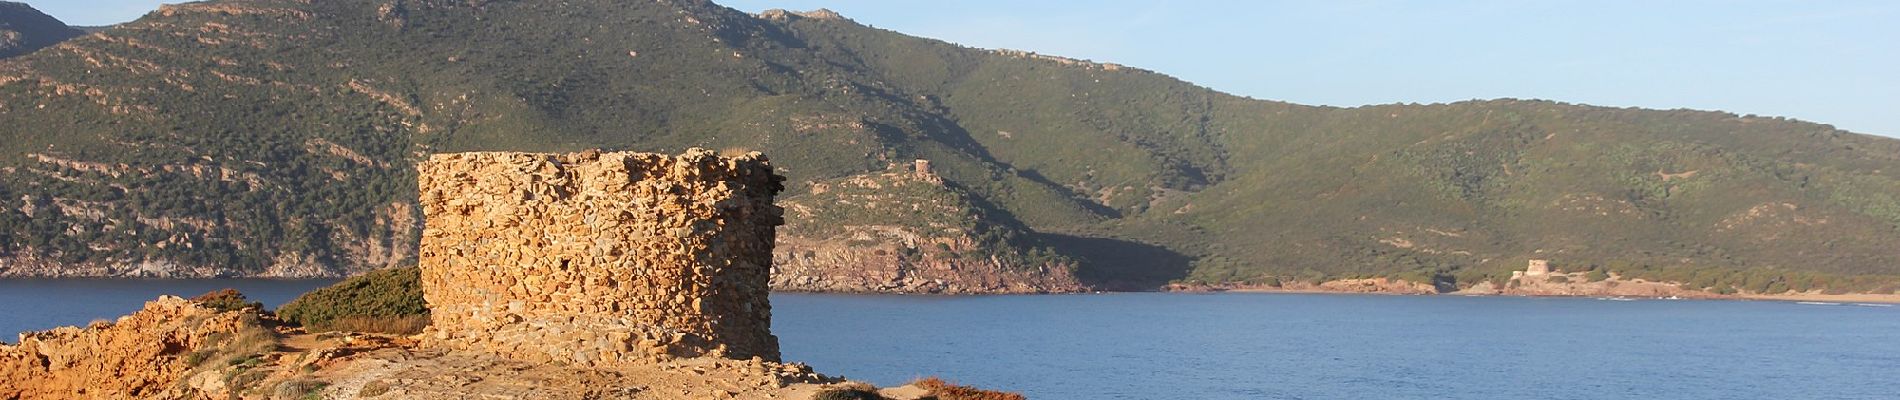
{"x": 1121, "y": 265}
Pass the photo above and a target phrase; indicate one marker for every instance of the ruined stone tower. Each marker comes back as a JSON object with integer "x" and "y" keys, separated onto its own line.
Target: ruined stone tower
{"x": 1537, "y": 268}
{"x": 599, "y": 258}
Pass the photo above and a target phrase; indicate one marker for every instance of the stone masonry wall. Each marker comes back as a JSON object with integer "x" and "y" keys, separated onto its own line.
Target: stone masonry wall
{"x": 600, "y": 258}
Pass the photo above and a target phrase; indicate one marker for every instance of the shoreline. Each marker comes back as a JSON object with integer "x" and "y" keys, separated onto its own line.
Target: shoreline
{"x": 1846, "y": 298}
{"x": 1849, "y": 298}
{"x": 1829, "y": 298}
{"x": 1841, "y": 298}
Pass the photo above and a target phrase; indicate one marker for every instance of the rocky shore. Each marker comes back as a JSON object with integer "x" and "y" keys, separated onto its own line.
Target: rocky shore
{"x": 180, "y": 349}
{"x": 1554, "y": 284}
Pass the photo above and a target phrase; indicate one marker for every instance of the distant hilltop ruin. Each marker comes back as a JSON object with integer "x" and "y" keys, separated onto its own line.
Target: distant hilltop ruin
{"x": 600, "y": 259}
{"x": 1534, "y": 268}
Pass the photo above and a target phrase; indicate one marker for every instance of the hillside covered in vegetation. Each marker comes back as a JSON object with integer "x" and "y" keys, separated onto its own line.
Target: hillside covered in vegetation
{"x": 24, "y": 29}
{"x": 277, "y": 138}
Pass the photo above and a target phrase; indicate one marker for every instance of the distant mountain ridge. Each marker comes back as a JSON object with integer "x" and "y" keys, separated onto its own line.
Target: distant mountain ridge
{"x": 276, "y": 138}
{"x": 24, "y": 29}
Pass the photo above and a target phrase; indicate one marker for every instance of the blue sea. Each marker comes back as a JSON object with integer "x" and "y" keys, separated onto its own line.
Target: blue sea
{"x": 40, "y": 304}
{"x": 1316, "y": 346}
{"x": 1259, "y": 346}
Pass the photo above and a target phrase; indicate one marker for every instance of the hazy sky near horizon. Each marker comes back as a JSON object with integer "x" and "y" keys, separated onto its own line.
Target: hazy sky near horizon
{"x": 1833, "y": 62}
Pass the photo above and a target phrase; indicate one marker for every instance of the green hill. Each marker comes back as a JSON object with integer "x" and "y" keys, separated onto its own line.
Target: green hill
{"x": 24, "y": 29}
{"x": 276, "y": 137}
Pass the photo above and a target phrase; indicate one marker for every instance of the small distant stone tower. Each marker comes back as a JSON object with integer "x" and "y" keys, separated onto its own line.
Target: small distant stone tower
{"x": 923, "y": 168}
{"x": 1537, "y": 268}
{"x": 923, "y": 172}
{"x": 599, "y": 258}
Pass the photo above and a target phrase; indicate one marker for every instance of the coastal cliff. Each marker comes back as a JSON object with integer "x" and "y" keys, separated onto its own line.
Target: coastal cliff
{"x": 906, "y": 230}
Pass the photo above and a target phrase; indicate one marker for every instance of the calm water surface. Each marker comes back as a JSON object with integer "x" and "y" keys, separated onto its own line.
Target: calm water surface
{"x": 1290, "y": 346}
{"x": 40, "y": 304}
{"x": 1259, "y": 346}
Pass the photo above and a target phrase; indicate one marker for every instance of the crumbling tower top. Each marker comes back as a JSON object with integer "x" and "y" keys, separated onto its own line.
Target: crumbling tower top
{"x": 600, "y": 258}
{"x": 1537, "y": 268}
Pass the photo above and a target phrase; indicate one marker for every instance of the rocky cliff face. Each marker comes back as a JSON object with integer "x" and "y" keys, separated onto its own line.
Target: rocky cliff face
{"x": 600, "y": 258}
{"x": 908, "y": 231}
{"x": 143, "y": 355}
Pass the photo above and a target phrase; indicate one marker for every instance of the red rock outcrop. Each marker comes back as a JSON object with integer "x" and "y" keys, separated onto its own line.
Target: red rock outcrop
{"x": 143, "y": 355}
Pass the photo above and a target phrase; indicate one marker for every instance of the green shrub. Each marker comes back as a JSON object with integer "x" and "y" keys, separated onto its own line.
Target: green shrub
{"x": 199, "y": 357}
{"x": 1597, "y": 275}
{"x": 1271, "y": 281}
{"x": 226, "y": 300}
{"x": 847, "y": 393}
{"x": 369, "y": 301}
{"x": 1559, "y": 279}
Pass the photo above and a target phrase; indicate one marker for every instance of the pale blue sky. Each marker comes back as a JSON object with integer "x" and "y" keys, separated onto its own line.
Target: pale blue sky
{"x": 1835, "y": 62}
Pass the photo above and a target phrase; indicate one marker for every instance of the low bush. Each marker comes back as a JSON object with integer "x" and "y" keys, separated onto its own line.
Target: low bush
{"x": 386, "y": 301}
{"x": 226, "y": 300}
{"x": 855, "y": 392}
{"x": 373, "y": 389}
{"x": 399, "y": 324}
{"x": 300, "y": 389}
{"x": 949, "y": 391}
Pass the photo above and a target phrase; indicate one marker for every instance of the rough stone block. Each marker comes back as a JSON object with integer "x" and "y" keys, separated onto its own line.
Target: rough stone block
{"x": 553, "y": 257}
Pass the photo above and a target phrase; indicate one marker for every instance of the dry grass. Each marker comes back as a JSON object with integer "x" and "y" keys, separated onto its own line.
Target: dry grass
{"x": 373, "y": 389}
{"x": 249, "y": 343}
{"x": 401, "y": 325}
{"x": 849, "y": 392}
{"x": 949, "y": 391}
{"x": 299, "y": 389}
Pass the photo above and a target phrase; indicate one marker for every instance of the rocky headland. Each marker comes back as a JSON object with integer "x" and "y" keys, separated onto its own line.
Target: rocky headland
{"x": 1538, "y": 279}
{"x": 574, "y": 276}
{"x": 906, "y": 230}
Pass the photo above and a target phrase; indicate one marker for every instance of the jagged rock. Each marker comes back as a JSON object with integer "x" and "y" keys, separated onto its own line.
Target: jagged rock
{"x": 143, "y": 355}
